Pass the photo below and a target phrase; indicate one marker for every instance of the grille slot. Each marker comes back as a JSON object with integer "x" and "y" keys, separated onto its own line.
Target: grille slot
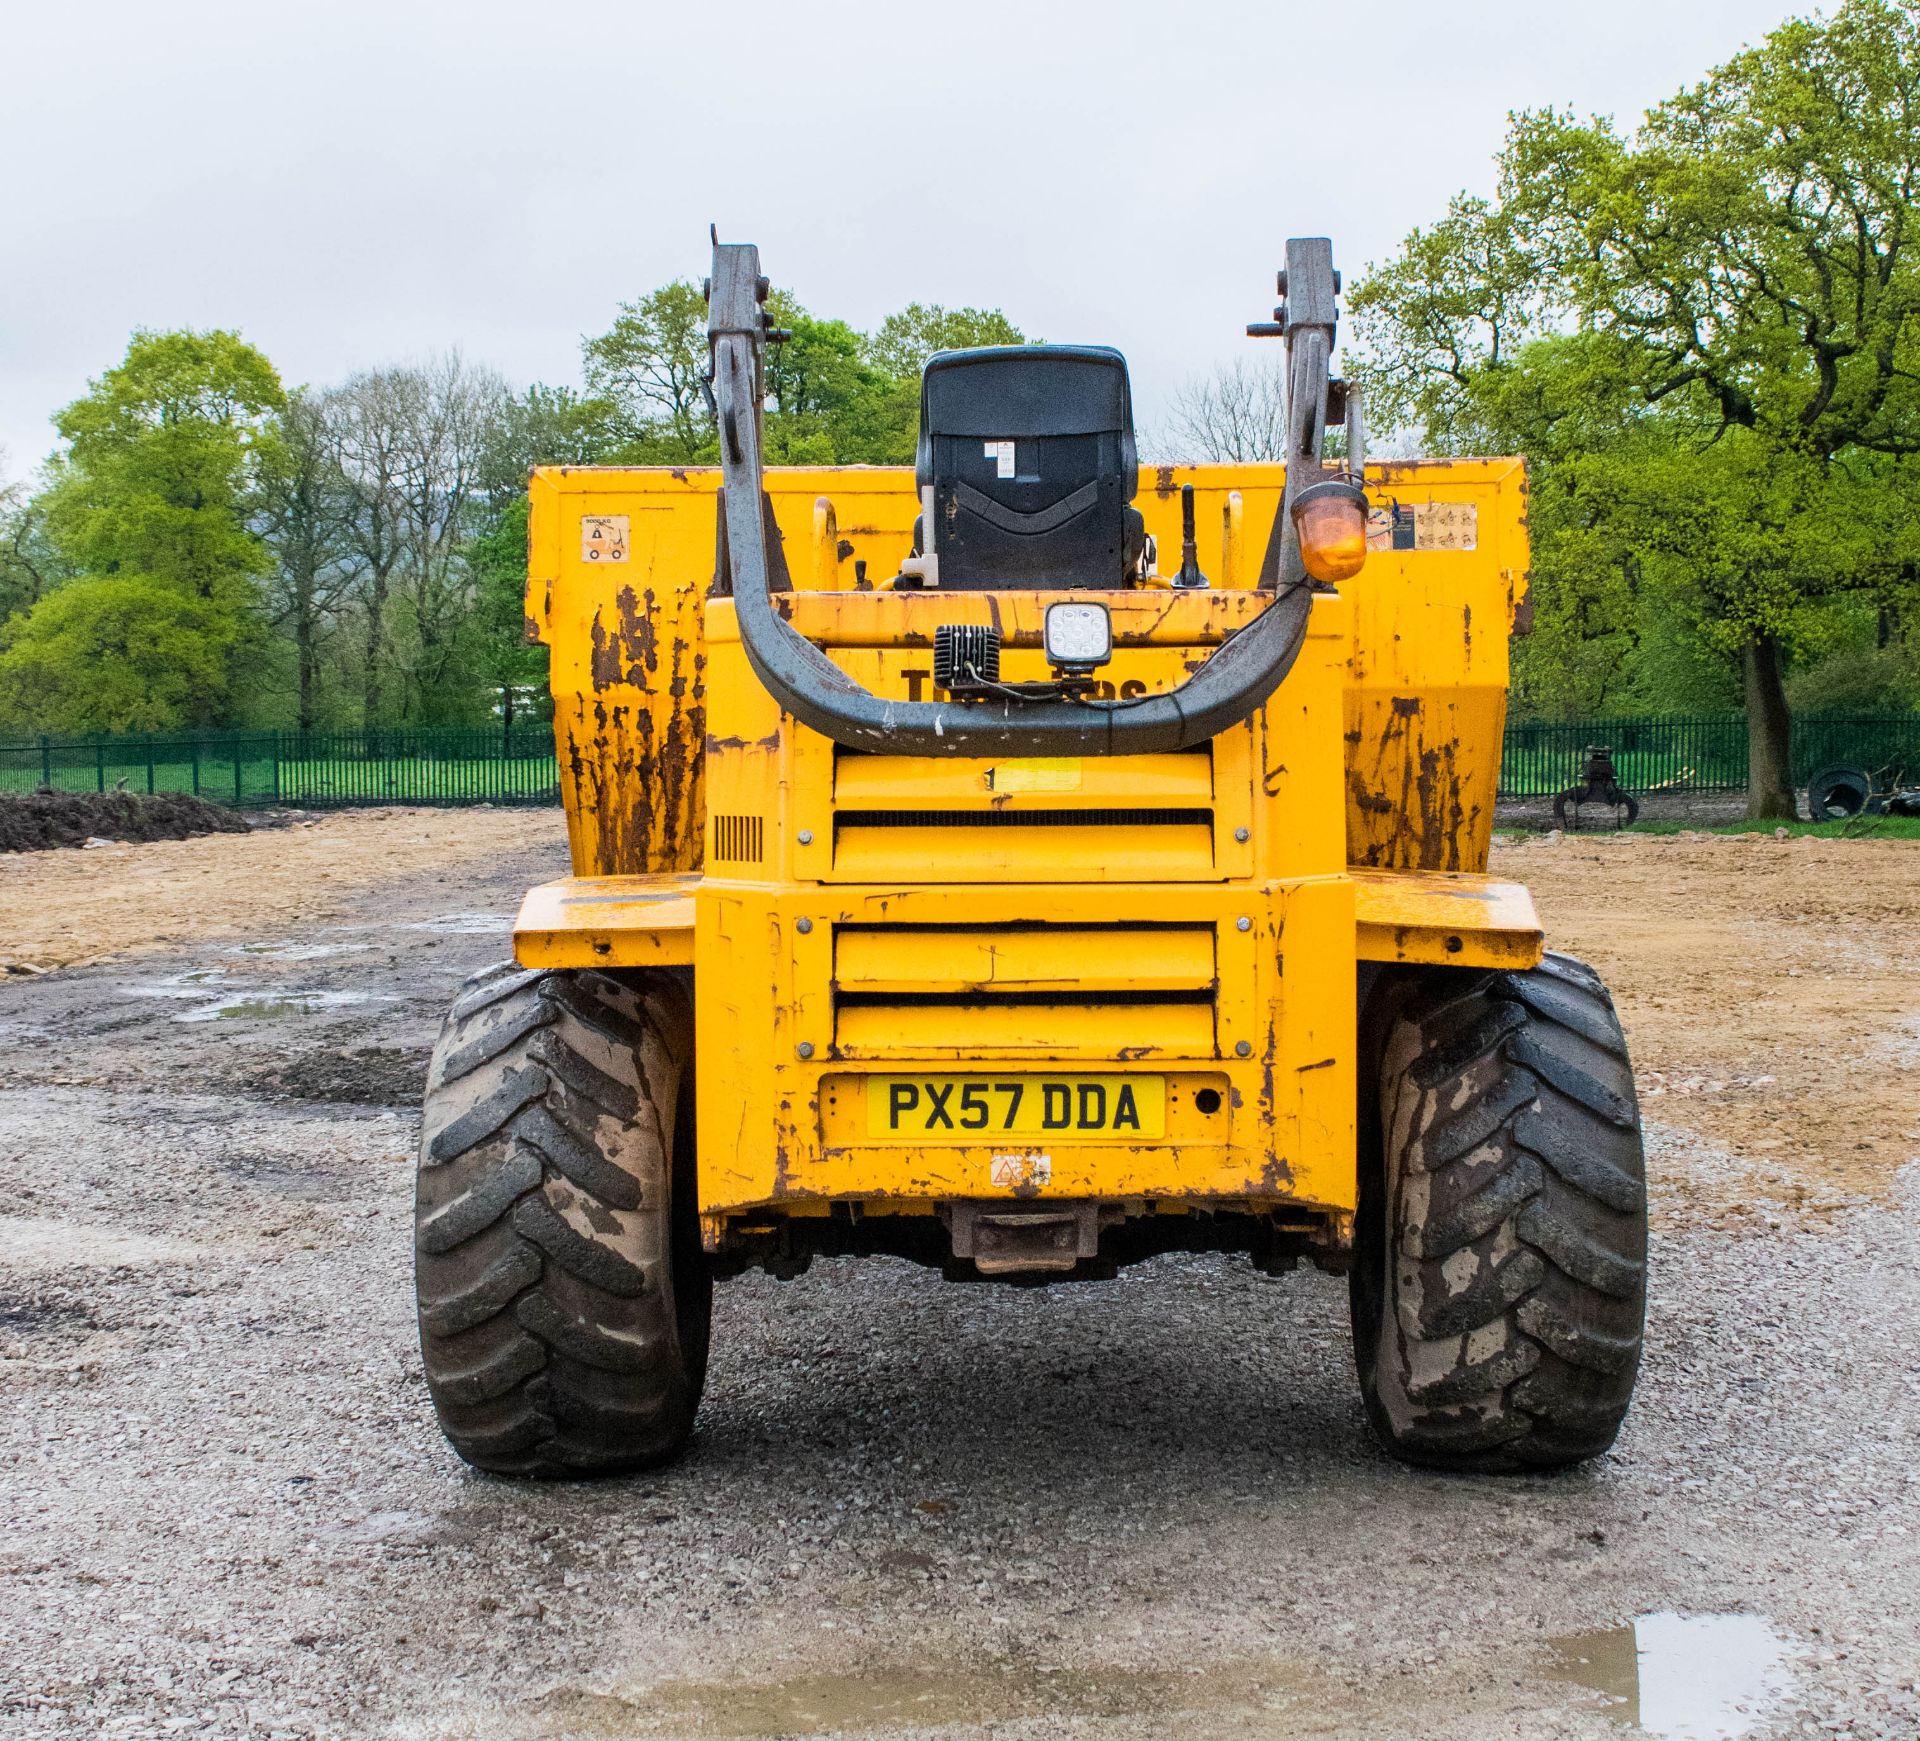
{"x": 990, "y": 994}
{"x": 739, "y": 839}
{"x": 1136, "y": 990}
{"x": 1034, "y": 819}
{"x": 1140, "y": 818}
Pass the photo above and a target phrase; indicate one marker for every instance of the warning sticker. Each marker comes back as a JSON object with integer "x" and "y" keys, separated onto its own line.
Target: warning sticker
{"x": 1001, "y": 453}
{"x": 1446, "y": 526}
{"x": 1010, "y": 1172}
{"x": 1424, "y": 526}
{"x": 1390, "y": 528}
{"x": 603, "y": 537}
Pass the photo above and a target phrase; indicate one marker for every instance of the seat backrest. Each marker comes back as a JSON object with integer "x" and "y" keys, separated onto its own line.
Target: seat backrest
{"x": 1029, "y": 455}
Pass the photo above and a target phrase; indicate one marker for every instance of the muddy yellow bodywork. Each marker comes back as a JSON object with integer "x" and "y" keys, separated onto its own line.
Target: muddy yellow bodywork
{"x": 1198, "y": 918}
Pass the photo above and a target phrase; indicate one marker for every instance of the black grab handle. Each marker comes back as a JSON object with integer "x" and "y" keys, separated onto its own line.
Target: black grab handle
{"x": 1241, "y": 673}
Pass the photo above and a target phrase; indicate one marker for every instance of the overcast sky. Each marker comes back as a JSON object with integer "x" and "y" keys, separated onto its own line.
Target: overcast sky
{"x": 352, "y": 184}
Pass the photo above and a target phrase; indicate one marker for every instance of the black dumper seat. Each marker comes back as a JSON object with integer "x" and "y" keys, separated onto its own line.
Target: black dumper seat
{"x": 1028, "y": 455}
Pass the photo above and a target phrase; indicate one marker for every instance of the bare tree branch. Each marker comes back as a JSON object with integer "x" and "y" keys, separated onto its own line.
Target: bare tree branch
{"x": 1236, "y": 413}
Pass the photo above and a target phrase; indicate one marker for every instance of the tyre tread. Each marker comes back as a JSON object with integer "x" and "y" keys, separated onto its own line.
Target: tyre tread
{"x": 1505, "y": 1323}
{"x": 552, "y": 1346}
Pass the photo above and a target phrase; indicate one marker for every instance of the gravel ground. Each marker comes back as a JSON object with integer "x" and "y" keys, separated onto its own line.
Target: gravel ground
{"x": 1702, "y": 809}
{"x": 1139, "y": 1508}
{"x": 291, "y": 878}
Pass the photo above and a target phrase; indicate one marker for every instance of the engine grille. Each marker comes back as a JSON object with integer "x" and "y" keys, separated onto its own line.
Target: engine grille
{"x": 739, "y": 839}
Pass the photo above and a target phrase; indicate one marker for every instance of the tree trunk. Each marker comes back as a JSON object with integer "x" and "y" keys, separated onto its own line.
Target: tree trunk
{"x": 304, "y": 615}
{"x": 304, "y": 652}
{"x": 376, "y": 654}
{"x": 1769, "y": 734}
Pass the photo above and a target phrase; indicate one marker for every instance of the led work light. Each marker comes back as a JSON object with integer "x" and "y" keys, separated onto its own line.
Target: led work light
{"x": 1079, "y": 636}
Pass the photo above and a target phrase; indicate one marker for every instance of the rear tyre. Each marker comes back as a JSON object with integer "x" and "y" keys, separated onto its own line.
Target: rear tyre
{"x": 564, "y": 1300}
{"x": 1835, "y": 794}
{"x": 1569, "y": 806}
{"x": 1499, "y": 1284}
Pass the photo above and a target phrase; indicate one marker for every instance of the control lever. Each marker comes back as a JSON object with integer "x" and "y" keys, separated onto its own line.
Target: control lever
{"x": 1189, "y": 574}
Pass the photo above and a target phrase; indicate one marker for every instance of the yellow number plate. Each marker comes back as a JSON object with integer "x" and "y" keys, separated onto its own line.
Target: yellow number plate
{"x": 985, "y": 1109}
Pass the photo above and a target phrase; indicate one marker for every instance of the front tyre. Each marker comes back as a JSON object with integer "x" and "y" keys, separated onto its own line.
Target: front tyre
{"x": 564, "y": 1301}
{"x": 1499, "y": 1284}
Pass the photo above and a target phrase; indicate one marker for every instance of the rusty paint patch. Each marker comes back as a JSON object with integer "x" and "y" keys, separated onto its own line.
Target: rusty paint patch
{"x": 1404, "y": 471}
{"x": 1365, "y": 798}
{"x": 1276, "y": 1177}
{"x": 603, "y": 662}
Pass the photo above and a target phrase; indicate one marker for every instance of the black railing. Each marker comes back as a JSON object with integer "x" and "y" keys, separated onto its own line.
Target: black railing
{"x": 1702, "y": 753}
{"x": 483, "y": 765}
{"x": 304, "y": 770}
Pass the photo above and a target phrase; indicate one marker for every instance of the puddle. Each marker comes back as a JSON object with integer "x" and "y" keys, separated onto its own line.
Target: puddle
{"x": 1682, "y": 1677}
{"x": 303, "y": 951}
{"x": 461, "y": 924}
{"x": 917, "y": 1698}
{"x": 196, "y": 984}
{"x": 279, "y": 1005}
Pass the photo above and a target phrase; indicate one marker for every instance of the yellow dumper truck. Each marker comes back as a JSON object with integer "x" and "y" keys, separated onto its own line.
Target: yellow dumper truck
{"x": 959, "y": 876}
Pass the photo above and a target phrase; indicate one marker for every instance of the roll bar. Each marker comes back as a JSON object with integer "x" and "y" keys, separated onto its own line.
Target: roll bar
{"x": 1241, "y": 673}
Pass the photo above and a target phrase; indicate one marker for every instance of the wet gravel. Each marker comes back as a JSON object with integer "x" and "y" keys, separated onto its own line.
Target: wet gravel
{"x": 1137, "y": 1508}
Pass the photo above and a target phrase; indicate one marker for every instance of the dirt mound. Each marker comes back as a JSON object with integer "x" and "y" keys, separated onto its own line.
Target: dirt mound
{"x": 32, "y": 821}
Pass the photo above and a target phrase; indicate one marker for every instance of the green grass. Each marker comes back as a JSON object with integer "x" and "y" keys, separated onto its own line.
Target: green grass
{"x": 1857, "y": 828}
{"x": 1526, "y": 776}
{"x": 399, "y": 780}
{"x": 216, "y": 778}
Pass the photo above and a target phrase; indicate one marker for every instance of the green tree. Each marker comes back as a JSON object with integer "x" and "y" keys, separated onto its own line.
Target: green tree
{"x": 902, "y": 343}
{"x": 511, "y": 666}
{"x": 153, "y": 508}
{"x": 119, "y": 653}
{"x": 543, "y": 426}
{"x": 306, "y": 511}
{"x": 1746, "y": 258}
{"x": 30, "y": 567}
{"x": 546, "y": 426}
{"x": 413, "y": 444}
{"x": 827, "y": 404}
{"x": 835, "y": 396}
{"x": 648, "y": 368}
{"x": 162, "y": 463}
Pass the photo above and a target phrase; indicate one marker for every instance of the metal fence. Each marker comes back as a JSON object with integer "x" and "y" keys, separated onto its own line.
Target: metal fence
{"x": 302, "y": 770}
{"x": 483, "y": 765}
{"x": 1704, "y": 753}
